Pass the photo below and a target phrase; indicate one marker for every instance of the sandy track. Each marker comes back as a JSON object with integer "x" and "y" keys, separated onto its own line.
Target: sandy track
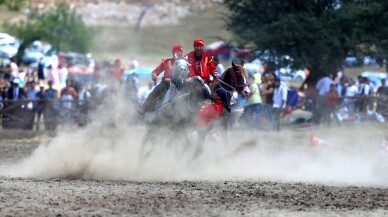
{"x": 254, "y": 197}
{"x": 105, "y": 198}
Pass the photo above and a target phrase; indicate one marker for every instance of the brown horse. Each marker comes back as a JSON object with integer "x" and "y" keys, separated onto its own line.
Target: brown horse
{"x": 233, "y": 79}
{"x": 178, "y": 116}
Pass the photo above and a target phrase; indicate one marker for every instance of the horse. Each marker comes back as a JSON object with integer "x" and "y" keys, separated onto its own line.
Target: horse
{"x": 180, "y": 114}
{"x": 175, "y": 111}
{"x": 233, "y": 79}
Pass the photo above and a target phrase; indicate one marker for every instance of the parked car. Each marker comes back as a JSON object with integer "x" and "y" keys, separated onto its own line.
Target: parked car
{"x": 35, "y": 51}
{"x": 375, "y": 77}
{"x": 288, "y": 74}
{"x": 5, "y": 36}
{"x": 352, "y": 61}
{"x": 225, "y": 50}
{"x": 8, "y": 46}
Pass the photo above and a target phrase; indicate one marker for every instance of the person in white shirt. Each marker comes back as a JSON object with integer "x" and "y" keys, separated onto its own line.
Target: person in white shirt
{"x": 350, "y": 94}
{"x": 14, "y": 68}
{"x": 279, "y": 101}
{"x": 220, "y": 68}
{"x": 323, "y": 86}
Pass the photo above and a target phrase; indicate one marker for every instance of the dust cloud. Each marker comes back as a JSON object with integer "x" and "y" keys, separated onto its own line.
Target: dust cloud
{"x": 109, "y": 149}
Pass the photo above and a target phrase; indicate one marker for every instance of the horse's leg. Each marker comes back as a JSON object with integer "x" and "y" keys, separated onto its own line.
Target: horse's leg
{"x": 186, "y": 145}
{"x": 144, "y": 154}
{"x": 202, "y": 133}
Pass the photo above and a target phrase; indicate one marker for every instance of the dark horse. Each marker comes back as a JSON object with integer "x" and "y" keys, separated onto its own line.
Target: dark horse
{"x": 174, "y": 110}
{"x": 232, "y": 80}
{"x": 178, "y": 114}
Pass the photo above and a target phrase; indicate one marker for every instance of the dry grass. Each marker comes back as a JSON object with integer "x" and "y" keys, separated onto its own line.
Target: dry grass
{"x": 11, "y": 16}
{"x": 355, "y": 71}
{"x": 153, "y": 43}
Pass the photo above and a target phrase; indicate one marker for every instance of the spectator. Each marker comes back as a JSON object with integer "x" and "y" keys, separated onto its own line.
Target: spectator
{"x": 53, "y": 74}
{"x": 41, "y": 104}
{"x": 341, "y": 88}
{"x": 69, "y": 89}
{"x": 83, "y": 105}
{"x": 31, "y": 93}
{"x": 331, "y": 98}
{"x": 279, "y": 101}
{"x": 3, "y": 91}
{"x": 351, "y": 94}
{"x": 364, "y": 93}
{"x": 41, "y": 71}
{"x": 14, "y": 68}
{"x": 322, "y": 86}
{"x": 269, "y": 100}
{"x": 263, "y": 88}
{"x": 51, "y": 109}
{"x": 253, "y": 109}
{"x": 14, "y": 94}
{"x": 62, "y": 72}
{"x": 382, "y": 101}
{"x": 220, "y": 68}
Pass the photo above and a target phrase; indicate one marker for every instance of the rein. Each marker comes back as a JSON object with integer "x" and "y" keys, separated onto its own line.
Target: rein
{"x": 235, "y": 80}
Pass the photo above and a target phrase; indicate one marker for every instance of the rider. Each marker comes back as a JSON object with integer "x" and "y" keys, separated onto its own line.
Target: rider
{"x": 201, "y": 63}
{"x": 165, "y": 66}
{"x": 212, "y": 110}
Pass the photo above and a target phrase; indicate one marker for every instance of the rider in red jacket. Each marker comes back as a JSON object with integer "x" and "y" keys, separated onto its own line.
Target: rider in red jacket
{"x": 201, "y": 63}
{"x": 165, "y": 66}
{"x": 210, "y": 111}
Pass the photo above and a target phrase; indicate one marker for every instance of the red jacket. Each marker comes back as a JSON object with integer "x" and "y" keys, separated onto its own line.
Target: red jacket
{"x": 166, "y": 67}
{"x": 206, "y": 67}
{"x": 208, "y": 113}
{"x": 117, "y": 72}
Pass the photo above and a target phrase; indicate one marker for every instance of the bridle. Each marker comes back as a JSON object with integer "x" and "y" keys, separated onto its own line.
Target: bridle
{"x": 234, "y": 84}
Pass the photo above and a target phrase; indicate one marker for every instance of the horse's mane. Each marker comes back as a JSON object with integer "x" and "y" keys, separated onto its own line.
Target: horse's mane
{"x": 241, "y": 69}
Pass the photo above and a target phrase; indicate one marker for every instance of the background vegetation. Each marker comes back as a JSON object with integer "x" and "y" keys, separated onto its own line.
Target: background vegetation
{"x": 315, "y": 34}
{"x": 153, "y": 43}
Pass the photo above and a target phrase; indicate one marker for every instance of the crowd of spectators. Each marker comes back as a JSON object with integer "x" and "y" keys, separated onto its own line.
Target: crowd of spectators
{"x": 33, "y": 94}
{"x": 37, "y": 98}
{"x": 330, "y": 98}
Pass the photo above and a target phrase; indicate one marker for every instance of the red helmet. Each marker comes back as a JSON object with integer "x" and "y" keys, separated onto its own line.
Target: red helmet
{"x": 198, "y": 42}
{"x": 177, "y": 48}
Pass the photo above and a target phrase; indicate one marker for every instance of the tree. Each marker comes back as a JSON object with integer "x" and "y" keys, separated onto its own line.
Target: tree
{"x": 60, "y": 26}
{"x": 318, "y": 34}
{"x": 14, "y": 5}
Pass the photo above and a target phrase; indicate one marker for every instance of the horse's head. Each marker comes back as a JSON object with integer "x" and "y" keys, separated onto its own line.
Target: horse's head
{"x": 236, "y": 78}
{"x": 181, "y": 67}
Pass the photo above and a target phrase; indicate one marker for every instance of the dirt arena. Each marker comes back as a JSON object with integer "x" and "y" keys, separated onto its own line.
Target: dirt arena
{"x": 96, "y": 172}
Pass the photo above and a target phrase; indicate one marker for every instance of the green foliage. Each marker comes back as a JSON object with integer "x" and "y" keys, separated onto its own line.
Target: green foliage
{"x": 14, "y": 5}
{"x": 317, "y": 34}
{"x": 60, "y": 26}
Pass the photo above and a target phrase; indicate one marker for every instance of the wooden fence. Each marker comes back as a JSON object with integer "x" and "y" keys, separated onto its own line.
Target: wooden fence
{"x": 33, "y": 114}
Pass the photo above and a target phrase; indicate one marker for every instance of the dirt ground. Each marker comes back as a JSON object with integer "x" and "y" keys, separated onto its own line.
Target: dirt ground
{"x": 254, "y": 195}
